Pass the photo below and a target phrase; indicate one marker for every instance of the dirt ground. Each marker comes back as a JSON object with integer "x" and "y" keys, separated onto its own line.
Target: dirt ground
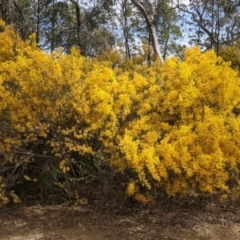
{"x": 96, "y": 221}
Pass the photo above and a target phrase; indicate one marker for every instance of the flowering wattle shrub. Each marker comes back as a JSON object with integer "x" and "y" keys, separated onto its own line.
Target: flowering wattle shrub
{"x": 171, "y": 127}
{"x": 231, "y": 53}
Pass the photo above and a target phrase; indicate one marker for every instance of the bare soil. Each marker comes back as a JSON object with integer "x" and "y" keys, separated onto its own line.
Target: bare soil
{"x": 101, "y": 221}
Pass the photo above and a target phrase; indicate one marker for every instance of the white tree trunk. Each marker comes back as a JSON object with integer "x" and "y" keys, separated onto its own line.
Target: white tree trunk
{"x": 148, "y": 12}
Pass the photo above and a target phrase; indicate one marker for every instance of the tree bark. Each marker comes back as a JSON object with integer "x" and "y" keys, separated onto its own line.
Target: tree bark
{"x": 38, "y": 21}
{"x": 79, "y": 22}
{"x": 126, "y": 30}
{"x": 148, "y": 14}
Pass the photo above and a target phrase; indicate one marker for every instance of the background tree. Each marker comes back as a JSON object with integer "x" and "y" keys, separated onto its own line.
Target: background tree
{"x": 165, "y": 20}
{"x": 57, "y": 25}
{"x": 148, "y": 10}
{"x": 122, "y": 17}
{"x": 88, "y": 30}
{"x": 94, "y": 27}
{"x": 14, "y": 13}
{"x": 167, "y": 24}
{"x": 212, "y": 22}
{"x": 97, "y": 26}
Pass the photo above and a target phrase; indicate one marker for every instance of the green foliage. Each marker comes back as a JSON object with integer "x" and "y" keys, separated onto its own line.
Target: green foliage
{"x": 211, "y": 24}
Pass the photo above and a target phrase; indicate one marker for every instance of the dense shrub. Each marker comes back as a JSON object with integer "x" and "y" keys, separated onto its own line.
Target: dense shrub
{"x": 231, "y": 53}
{"x": 170, "y": 127}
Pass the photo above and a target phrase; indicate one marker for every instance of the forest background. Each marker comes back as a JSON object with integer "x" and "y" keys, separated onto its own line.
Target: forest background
{"x": 91, "y": 90}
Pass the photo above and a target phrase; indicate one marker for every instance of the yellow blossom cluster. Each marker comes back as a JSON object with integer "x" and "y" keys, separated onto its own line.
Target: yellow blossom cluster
{"x": 172, "y": 125}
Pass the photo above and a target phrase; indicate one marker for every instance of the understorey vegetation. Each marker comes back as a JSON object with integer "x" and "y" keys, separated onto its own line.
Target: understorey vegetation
{"x": 69, "y": 121}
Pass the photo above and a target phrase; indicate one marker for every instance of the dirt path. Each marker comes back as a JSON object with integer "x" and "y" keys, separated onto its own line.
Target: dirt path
{"x": 89, "y": 222}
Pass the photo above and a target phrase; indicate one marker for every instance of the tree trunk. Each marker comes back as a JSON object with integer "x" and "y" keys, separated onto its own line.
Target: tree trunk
{"x": 126, "y": 30}
{"x": 79, "y": 23}
{"x": 148, "y": 14}
{"x": 155, "y": 43}
{"x": 38, "y": 21}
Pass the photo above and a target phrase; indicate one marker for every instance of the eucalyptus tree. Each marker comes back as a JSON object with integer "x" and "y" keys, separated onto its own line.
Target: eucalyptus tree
{"x": 90, "y": 26}
{"x": 9, "y": 10}
{"x": 122, "y": 19}
{"x": 148, "y": 10}
{"x": 25, "y": 16}
{"x": 58, "y": 27}
{"x": 168, "y": 29}
{"x": 213, "y": 22}
{"x": 13, "y": 12}
{"x": 162, "y": 21}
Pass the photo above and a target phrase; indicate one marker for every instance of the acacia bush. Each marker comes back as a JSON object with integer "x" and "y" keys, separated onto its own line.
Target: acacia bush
{"x": 170, "y": 126}
{"x": 231, "y": 53}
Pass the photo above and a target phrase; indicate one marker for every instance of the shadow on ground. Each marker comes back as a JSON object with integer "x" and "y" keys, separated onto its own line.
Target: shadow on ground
{"x": 96, "y": 221}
